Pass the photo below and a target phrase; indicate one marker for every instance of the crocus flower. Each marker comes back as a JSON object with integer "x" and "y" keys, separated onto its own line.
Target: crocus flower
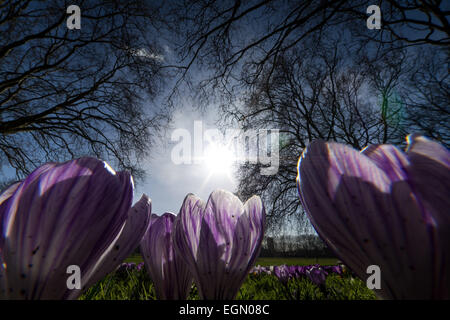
{"x": 64, "y": 214}
{"x": 383, "y": 207}
{"x": 129, "y": 238}
{"x": 220, "y": 241}
{"x": 270, "y": 269}
{"x": 122, "y": 268}
{"x": 316, "y": 274}
{"x": 260, "y": 270}
{"x": 257, "y": 269}
{"x": 169, "y": 273}
{"x": 282, "y": 273}
{"x": 333, "y": 269}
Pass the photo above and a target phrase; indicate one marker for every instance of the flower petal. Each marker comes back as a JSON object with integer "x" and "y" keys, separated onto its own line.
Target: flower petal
{"x": 389, "y": 159}
{"x": 229, "y": 238}
{"x": 187, "y": 236}
{"x": 129, "y": 239}
{"x": 254, "y": 209}
{"x": 429, "y": 174}
{"x": 61, "y": 215}
{"x": 170, "y": 275}
{"x": 222, "y": 242}
{"x": 4, "y": 198}
{"x": 350, "y": 204}
{"x": 221, "y": 216}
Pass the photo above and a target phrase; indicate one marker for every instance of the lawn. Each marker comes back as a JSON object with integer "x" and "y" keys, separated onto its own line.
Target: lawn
{"x": 134, "y": 283}
{"x": 272, "y": 261}
{"x": 295, "y": 261}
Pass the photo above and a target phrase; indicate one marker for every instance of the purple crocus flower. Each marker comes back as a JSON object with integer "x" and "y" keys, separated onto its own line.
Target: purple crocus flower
{"x": 316, "y": 274}
{"x": 63, "y": 214}
{"x": 333, "y": 269}
{"x": 282, "y": 273}
{"x": 122, "y": 268}
{"x": 299, "y": 271}
{"x": 260, "y": 270}
{"x": 130, "y": 266}
{"x": 129, "y": 238}
{"x": 383, "y": 207}
{"x": 169, "y": 273}
{"x": 257, "y": 269}
{"x": 126, "y": 267}
{"x": 220, "y": 241}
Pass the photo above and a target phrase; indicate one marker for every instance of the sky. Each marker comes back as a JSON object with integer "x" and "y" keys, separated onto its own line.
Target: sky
{"x": 168, "y": 183}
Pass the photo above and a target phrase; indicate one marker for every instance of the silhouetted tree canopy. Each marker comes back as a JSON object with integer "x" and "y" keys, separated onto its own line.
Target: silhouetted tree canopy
{"x": 313, "y": 70}
{"x": 226, "y": 36}
{"x": 67, "y": 93}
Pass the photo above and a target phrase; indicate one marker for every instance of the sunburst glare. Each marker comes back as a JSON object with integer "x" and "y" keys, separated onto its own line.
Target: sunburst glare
{"x": 219, "y": 159}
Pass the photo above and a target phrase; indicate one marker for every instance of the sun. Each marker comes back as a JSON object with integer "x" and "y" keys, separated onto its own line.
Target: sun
{"x": 219, "y": 159}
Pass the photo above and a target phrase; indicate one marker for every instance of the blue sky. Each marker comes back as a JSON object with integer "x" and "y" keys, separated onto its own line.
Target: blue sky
{"x": 168, "y": 183}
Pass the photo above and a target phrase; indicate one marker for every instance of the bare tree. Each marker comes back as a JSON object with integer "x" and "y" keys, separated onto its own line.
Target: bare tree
{"x": 225, "y": 36}
{"x": 318, "y": 93}
{"x": 274, "y": 64}
{"x": 427, "y": 95}
{"x": 409, "y": 23}
{"x": 67, "y": 93}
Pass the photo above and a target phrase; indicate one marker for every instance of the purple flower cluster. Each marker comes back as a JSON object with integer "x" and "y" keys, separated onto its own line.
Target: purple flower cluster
{"x": 380, "y": 206}
{"x": 129, "y": 267}
{"x": 214, "y": 243}
{"x": 76, "y": 213}
{"x": 316, "y": 273}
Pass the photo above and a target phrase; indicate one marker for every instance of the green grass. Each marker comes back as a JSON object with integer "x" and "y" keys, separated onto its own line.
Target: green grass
{"x": 136, "y": 258}
{"x": 272, "y": 261}
{"x": 276, "y": 261}
{"x": 137, "y": 285}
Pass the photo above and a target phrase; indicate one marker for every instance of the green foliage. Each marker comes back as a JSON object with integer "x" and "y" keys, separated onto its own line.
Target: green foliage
{"x": 336, "y": 287}
{"x": 268, "y": 261}
{"x": 125, "y": 285}
{"x": 294, "y": 261}
{"x": 137, "y": 285}
{"x": 347, "y": 288}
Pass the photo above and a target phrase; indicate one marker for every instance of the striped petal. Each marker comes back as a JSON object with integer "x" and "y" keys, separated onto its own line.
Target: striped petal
{"x": 125, "y": 243}
{"x": 170, "y": 275}
{"x": 62, "y": 214}
{"x": 219, "y": 246}
{"x": 389, "y": 159}
{"x": 4, "y": 198}
{"x": 255, "y": 211}
{"x": 429, "y": 175}
{"x": 367, "y": 218}
{"x": 187, "y": 229}
{"x": 229, "y": 237}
